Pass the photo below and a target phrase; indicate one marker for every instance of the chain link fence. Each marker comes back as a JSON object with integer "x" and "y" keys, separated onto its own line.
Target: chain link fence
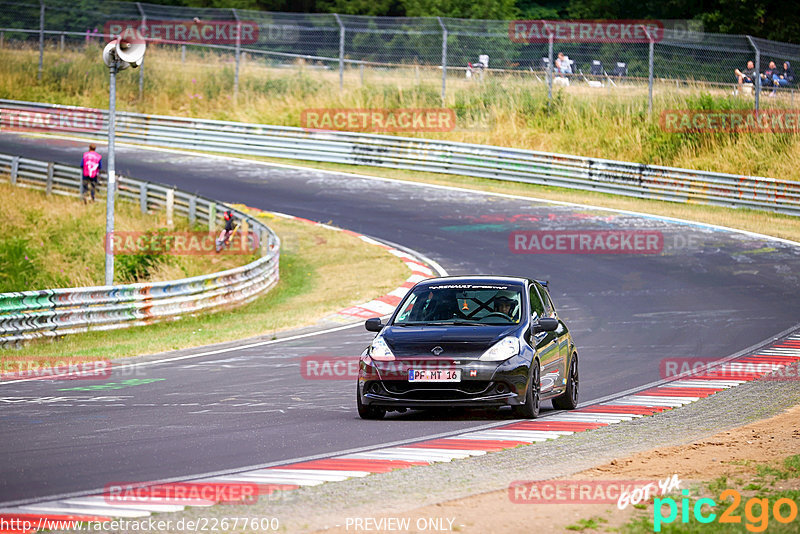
{"x": 435, "y": 50}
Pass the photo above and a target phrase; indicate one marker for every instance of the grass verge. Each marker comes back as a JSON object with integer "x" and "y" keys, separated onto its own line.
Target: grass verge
{"x": 322, "y": 271}
{"x": 504, "y": 109}
{"x": 768, "y": 502}
{"x": 58, "y": 241}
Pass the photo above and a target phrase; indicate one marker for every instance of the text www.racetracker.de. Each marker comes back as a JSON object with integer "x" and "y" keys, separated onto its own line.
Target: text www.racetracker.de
{"x": 202, "y": 524}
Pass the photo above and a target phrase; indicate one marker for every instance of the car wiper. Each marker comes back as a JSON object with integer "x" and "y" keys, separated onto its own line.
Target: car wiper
{"x": 466, "y": 322}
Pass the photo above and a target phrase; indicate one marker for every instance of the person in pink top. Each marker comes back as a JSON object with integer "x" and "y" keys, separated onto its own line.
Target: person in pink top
{"x": 91, "y": 164}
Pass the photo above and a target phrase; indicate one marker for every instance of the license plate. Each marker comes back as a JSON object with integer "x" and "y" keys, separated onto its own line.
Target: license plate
{"x": 434, "y": 375}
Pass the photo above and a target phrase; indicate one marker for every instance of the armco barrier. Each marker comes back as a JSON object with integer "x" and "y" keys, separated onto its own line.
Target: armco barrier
{"x": 55, "y": 312}
{"x": 498, "y": 163}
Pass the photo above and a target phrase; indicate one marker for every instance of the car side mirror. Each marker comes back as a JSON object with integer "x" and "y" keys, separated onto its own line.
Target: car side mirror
{"x": 545, "y": 324}
{"x": 374, "y": 324}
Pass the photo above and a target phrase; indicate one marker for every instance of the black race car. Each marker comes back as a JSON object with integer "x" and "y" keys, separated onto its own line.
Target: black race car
{"x": 469, "y": 341}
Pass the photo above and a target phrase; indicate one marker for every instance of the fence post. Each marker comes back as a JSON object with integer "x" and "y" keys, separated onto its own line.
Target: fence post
{"x": 757, "y": 81}
{"x": 650, "y": 72}
{"x": 237, "y": 54}
{"x": 14, "y": 169}
{"x": 41, "y": 39}
{"x": 341, "y": 50}
{"x": 141, "y": 67}
{"x": 170, "y": 207}
{"x": 192, "y": 210}
{"x": 2, "y": 39}
{"x": 143, "y": 197}
{"x": 49, "y": 186}
{"x": 361, "y": 73}
{"x": 61, "y": 46}
{"x": 212, "y": 216}
{"x": 183, "y": 53}
{"x": 550, "y": 68}
{"x": 444, "y": 59}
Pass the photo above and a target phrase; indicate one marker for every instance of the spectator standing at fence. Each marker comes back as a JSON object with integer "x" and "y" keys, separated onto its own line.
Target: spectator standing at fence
{"x": 91, "y": 164}
{"x": 747, "y": 75}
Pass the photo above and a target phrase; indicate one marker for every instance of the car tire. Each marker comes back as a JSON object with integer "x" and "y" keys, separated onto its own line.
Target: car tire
{"x": 530, "y": 409}
{"x": 368, "y": 412}
{"x": 569, "y": 399}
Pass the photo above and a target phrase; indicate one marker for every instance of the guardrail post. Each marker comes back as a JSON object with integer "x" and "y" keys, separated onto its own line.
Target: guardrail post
{"x": 49, "y": 186}
{"x": 757, "y": 81}
{"x": 237, "y": 54}
{"x": 14, "y": 169}
{"x": 41, "y": 39}
{"x": 243, "y": 235}
{"x": 143, "y": 197}
{"x": 212, "y": 216}
{"x": 192, "y": 210}
{"x": 170, "y": 207}
{"x": 341, "y": 50}
{"x": 444, "y": 59}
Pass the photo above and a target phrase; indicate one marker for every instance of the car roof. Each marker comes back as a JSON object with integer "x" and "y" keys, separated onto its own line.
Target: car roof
{"x": 475, "y": 279}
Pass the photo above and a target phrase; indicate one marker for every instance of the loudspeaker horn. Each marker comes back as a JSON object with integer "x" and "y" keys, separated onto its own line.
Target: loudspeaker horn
{"x": 131, "y": 50}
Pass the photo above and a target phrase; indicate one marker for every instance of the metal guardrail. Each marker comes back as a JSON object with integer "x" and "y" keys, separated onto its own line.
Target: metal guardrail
{"x": 55, "y": 312}
{"x": 497, "y": 163}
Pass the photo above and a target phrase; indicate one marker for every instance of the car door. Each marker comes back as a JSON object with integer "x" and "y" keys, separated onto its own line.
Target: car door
{"x": 561, "y": 334}
{"x": 545, "y": 343}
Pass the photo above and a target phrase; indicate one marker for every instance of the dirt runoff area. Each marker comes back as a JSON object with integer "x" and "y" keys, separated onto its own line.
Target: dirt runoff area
{"x": 744, "y": 456}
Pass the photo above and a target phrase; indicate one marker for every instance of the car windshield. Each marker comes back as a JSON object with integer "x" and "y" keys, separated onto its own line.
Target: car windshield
{"x": 461, "y": 304}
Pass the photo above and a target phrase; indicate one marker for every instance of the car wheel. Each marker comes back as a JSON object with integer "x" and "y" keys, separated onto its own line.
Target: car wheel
{"x": 569, "y": 399}
{"x": 530, "y": 410}
{"x": 368, "y": 412}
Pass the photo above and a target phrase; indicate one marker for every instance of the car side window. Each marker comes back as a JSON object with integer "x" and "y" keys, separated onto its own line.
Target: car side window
{"x": 548, "y": 304}
{"x": 537, "y": 308}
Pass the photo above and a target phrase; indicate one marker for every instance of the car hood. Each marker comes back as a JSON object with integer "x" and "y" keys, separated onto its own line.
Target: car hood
{"x": 462, "y": 342}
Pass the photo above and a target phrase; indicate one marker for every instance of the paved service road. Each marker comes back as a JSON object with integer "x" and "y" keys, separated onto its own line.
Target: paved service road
{"x": 705, "y": 293}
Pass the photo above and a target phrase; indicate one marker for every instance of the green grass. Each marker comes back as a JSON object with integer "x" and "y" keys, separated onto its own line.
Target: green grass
{"x": 786, "y": 469}
{"x": 592, "y": 523}
{"x": 505, "y": 110}
{"x": 312, "y": 285}
{"x": 57, "y": 241}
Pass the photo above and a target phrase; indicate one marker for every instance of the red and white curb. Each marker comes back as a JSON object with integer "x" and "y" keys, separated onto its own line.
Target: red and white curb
{"x": 272, "y": 480}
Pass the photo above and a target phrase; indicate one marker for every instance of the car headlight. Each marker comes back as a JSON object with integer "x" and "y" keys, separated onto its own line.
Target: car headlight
{"x": 502, "y": 350}
{"x": 380, "y": 351}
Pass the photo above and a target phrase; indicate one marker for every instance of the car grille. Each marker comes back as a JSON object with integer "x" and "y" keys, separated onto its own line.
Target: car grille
{"x": 438, "y": 391}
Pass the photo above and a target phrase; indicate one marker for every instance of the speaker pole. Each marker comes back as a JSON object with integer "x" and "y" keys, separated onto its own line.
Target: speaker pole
{"x": 112, "y": 179}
